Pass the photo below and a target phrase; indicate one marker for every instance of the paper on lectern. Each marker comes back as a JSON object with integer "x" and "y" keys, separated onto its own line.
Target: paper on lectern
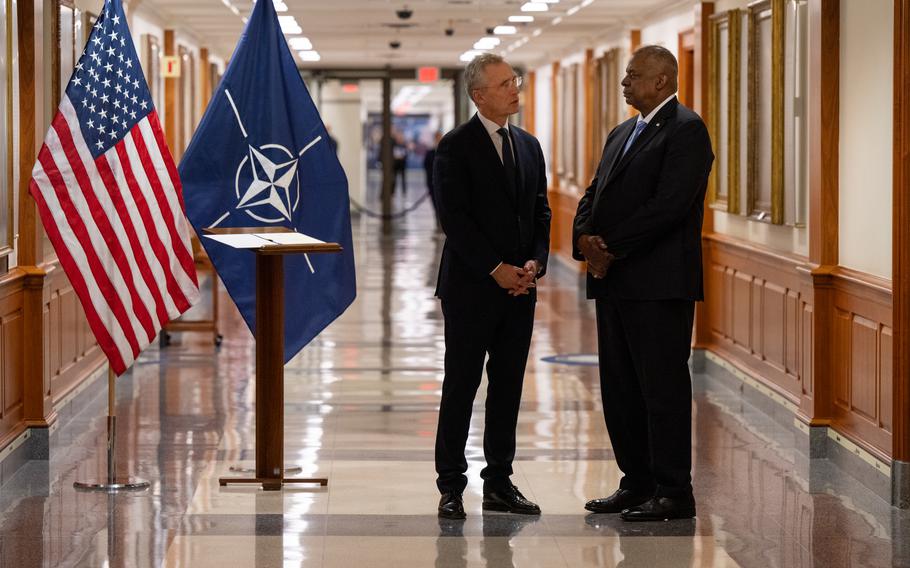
{"x": 240, "y": 240}
{"x": 259, "y": 240}
{"x": 290, "y": 238}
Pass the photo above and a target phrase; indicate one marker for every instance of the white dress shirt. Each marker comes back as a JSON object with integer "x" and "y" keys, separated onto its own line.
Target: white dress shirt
{"x": 492, "y": 129}
{"x": 654, "y": 112}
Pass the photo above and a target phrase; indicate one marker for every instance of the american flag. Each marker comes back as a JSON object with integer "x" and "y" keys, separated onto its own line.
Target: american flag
{"x": 110, "y": 199}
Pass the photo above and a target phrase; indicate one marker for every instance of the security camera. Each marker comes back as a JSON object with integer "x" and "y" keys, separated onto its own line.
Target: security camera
{"x": 395, "y": 44}
{"x": 404, "y": 13}
{"x": 489, "y": 31}
{"x": 450, "y": 31}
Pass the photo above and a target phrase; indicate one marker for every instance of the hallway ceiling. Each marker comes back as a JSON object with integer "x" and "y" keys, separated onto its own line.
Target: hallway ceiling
{"x": 357, "y": 33}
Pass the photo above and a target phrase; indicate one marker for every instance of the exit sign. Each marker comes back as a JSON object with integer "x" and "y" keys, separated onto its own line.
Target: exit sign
{"x": 170, "y": 66}
{"x": 428, "y": 74}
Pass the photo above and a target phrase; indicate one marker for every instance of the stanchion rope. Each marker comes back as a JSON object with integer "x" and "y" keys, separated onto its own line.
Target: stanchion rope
{"x": 397, "y": 215}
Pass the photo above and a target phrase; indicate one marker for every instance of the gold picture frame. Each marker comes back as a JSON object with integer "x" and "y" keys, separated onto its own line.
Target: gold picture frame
{"x": 772, "y": 208}
{"x": 723, "y": 196}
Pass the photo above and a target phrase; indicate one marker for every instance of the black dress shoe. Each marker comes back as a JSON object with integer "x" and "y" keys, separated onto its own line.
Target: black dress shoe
{"x": 450, "y": 506}
{"x": 660, "y": 509}
{"x": 620, "y": 500}
{"x": 510, "y": 500}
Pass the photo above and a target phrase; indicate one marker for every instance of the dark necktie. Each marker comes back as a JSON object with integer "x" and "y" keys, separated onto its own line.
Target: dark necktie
{"x": 508, "y": 161}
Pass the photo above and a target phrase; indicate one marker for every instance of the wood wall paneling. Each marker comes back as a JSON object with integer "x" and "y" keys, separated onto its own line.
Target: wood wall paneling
{"x": 171, "y": 122}
{"x": 823, "y": 116}
{"x": 70, "y": 365}
{"x": 555, "y": 126}
{"x": 773, "y": 325}
{"x": 755, "y": 303}
{"x": 205, "y": 80}
{"x": 686, "y": 58}
{"x": 590, "y": 120}
{"x": 863, "y": 365}
{"x": 742, "y": 308}
{"x": 886, "y": 382}
{"x": 12, "y": 346}
{"x": 793, "y": 311}
{"x": 29, "y": 237}
{"x": 530, "y": 110}
{"x": 704, "y": 320}
{"x": 900, "y": 341}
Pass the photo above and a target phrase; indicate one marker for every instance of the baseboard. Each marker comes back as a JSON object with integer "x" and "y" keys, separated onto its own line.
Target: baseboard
{"x": 34, "y": 443}
{"x": 891, "y": 483}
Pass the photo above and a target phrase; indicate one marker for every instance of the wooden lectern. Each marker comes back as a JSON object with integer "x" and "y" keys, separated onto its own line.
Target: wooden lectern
{"x": 270, "y": 250}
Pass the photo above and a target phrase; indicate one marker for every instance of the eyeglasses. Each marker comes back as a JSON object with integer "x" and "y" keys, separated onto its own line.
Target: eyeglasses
{"x": 514, "y": 80}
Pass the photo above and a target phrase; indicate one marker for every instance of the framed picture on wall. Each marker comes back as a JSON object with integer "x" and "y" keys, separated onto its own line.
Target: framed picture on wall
{"x": 766, "y": 134}
{"x": 7, "y": 133}
{"x": 64, "y": 57}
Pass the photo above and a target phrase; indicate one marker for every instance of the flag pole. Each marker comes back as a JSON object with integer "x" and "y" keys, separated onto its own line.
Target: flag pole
{"x": 112, "y": 483}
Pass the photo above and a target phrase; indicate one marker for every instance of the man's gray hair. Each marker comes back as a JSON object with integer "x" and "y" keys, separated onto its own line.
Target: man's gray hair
{"x": 473, "y": 71}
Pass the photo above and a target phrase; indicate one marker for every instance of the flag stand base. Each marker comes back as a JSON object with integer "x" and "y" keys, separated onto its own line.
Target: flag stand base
{"x": 113, "y": 483}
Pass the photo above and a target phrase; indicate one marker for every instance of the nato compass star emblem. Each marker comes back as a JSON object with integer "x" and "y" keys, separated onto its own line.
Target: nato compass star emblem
{"x": 267, "y": 182}
{"x": 274, "y": 185}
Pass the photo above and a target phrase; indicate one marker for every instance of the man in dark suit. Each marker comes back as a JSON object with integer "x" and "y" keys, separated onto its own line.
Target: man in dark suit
{"x": 491, "y": 191}
{"x": 638, "y": 226}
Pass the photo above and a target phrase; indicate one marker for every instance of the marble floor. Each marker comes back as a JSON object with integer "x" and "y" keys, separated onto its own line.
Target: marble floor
{"x": 361, "y": 404}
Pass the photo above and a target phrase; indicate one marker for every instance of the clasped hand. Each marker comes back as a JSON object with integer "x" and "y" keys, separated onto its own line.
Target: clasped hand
{"x": 518, "y": 280}
{"x": 595, "y": 252}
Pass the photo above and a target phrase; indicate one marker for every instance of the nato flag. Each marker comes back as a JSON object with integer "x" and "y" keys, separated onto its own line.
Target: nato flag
{"x": 261, "y": 157}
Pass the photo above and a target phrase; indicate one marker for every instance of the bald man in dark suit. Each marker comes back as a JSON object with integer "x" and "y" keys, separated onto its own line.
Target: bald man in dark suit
{"x": 638, "y": 226}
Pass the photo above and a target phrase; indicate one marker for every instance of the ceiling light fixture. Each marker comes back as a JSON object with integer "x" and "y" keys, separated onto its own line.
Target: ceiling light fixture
{"x": 505, "y": 30}
{"x": 488, "y": 42}
{"x": 300, "y": 43}
{"x": 521, "y": 19}
{"x": 309, "y": 55}
{"x": 534, "y": 7}
{"x": 289, "y": 25}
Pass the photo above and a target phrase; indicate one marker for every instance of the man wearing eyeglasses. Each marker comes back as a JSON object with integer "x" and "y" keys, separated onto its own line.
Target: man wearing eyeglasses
{"x": 491, "y": 191}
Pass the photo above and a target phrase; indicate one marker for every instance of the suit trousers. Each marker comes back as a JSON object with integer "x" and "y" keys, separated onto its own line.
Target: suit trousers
{"x": 646, "y": 389}
{"x": 501, "y": 328}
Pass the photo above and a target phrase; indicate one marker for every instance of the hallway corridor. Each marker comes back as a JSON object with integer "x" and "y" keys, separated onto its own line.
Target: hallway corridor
{"x": 361, "y": 405}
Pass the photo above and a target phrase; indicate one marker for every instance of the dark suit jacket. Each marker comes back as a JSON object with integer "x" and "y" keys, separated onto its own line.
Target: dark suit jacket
{"x": 648, "y": 206}
{"x": 483, "y": 223}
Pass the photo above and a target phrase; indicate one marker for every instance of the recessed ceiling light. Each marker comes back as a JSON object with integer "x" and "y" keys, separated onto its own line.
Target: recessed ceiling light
{"x": 534, "y": 7}
{"x": 521, "y": 19}
{"x": 488, "y": 42}
{"x": 300, "y": 43}
{"x": 309, "y": 55}
{"x": 505, "y": 30}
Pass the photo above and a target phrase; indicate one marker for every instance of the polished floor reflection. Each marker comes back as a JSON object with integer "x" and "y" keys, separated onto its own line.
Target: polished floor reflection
{"x": 361, "y": 410}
